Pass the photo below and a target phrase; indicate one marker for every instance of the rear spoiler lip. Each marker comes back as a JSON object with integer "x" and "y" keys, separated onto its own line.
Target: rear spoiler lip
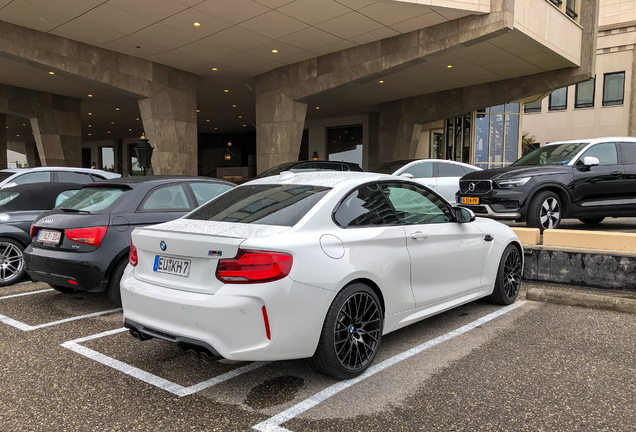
{"x": 103, "y": 184}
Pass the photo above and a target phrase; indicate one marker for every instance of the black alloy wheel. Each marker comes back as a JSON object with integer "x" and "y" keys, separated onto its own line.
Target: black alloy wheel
{"x": 508, "y": 281}
{"x": 357, "y": 331}
{"x": 545, "y": 211}
{"x": 351, "y": 334}
{"x": 12, "y": 266}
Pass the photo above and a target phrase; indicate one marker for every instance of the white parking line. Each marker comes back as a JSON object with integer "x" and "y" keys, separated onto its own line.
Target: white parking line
{"x": 147, "y": 377}
{"x": 26, "y": 293}
{"x": 273, "y": 424}
{"x": 25, "y": 327}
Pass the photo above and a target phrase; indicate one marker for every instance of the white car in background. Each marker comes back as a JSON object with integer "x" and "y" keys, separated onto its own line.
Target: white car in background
{"x": 312, "y": 265}
{"x": 440, "y": 175}
{"x": 19, "y": 176}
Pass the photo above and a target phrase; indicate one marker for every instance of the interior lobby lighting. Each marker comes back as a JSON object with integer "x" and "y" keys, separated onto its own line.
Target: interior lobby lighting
{"x": 449, "y": 66}
{"x": 274, "y": 51}
{"x": 317, "y": 107}
{"x": 90, "y": 113}
{"x": 207, "y": 120}
{"x": 17, "y": 135}
{"x": 137, "y": 119}
{"x": 240, "y": 116}
{"x": 90, "y": 95}
{"x": 130, "y": 130}
{"x": 108, "y": 131}
{"x": 116, "y": 109}
{"x": 90, "y": 125}
{"x": 89, "y": 134}
{"x": 112, "y": 122}
{"x": 244, "y": 125}
{"x": 51, "y": 73}
{"x": 23, "y": 124}
{"x": 226, "y": 91}
{"x": 196, "y": 24}
{"x": 198, "y": 110}
{"x": 214, "y": 69}
{"x": 381, "y": 82}
{"x": 233, "y": 106}
{"x": 215, "y": 128}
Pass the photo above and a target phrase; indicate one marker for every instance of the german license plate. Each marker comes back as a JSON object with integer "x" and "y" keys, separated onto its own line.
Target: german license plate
{"x": 470, "y": 200}
{"x": 173, "y": 266}
{"x": 49, "y": 236}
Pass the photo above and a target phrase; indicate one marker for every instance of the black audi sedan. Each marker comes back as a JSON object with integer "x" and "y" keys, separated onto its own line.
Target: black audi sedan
{"x": 19, "y": 206}
{"x": 83, "y": 244}
{"x": 584, "y": 179}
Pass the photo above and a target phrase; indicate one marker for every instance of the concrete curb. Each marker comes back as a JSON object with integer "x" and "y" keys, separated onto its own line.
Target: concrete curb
{"x": 583, "y": 299}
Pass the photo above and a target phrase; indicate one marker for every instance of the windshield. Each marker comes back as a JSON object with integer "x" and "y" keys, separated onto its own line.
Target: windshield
{"x": 559, "y": 154}
{"x": 276, "y": 170}
{"x": 282, "y": 205}
{"x": 390, "y": 167}
{"x": 92, "y": 199}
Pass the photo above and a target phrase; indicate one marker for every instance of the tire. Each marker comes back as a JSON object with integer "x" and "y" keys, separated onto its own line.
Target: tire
{"x": 545, "y": 211}
{"x": 592, "y": 221}
{"x": 339, "y": 346}
{"x": 112, "y": 289}
{"x": 12, "y": 266}
{"x": 63, "y": 290}
{"x": 508, "y": 281}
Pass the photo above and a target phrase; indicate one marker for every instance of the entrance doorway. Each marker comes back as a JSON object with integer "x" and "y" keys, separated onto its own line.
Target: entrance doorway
{"x": 457, "y": 138}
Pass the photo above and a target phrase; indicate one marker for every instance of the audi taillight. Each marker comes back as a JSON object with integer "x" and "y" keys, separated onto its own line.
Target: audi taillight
{"x": 91, "y": 236}
{"x": 254, "y": 267}
{"x": 132, "y": 255}
{"x": 34, "y": 231}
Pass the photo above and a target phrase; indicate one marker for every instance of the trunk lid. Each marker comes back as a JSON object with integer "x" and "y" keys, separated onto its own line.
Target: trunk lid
{"x": 200, "y": 244}
{"x": 60, "y": 221}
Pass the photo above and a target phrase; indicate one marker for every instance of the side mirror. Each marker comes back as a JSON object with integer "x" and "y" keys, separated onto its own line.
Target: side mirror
{"x": 407, "y": 175}
{"x": 590, "y": 161}
{"x": 463, "y": 215}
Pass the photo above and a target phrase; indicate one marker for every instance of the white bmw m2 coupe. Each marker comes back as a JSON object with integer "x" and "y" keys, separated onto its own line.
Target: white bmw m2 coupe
{"x": 312, "y": 265}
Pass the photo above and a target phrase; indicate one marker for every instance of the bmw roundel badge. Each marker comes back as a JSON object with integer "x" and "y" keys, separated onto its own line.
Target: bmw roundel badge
{"x": 163, "y": 245}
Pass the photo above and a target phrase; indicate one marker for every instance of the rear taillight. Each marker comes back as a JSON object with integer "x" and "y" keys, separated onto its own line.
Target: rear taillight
{"x": 132, "y": 255}
{"x": 254, "y": 267}
{"x": 34, "y": 231}
{"x": 91, "y": 236}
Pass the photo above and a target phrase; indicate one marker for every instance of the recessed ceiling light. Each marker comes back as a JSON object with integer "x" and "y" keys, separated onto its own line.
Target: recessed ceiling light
{"x": 244, "y": 125}
{"x": 198, "y": 110}
{"x": 233, "y": 106}
{"x": 90, "y": 95}
{"x": 226, "y": 91}
{"x": 196, "y": 24}
{"x": 381, "y": 82}
{"x": 214, "y": 69}
{"x": 274, "y": 51}
{"x": 215, "y": 128}
{"x": 89, "y": 134}
{"x": 207, "y": 120}
{"x": 240, "y": 116}
{"x": 116, "y": 109}
{"x": 23, "y": 124}
{"x": 51, "y": 73}
{"x": 90, "y": 125}
{"x": 137, "y": 119}
{"x": 108, "y": 131}
{"x": 130, "y": 130}
{"x": 90, "y": 113}
{"x": 112, "y": 122}
{"x": 317, "y": 107}
{"x": 449, "y": 66}
{"x": 17, "y": 135}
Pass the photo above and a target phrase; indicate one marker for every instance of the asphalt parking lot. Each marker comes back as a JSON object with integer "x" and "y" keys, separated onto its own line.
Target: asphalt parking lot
{"x": 67, "y": 365}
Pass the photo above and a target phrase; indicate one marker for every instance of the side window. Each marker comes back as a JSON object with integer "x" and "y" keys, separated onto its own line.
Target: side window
{"x": 420, "y": 170}
{"x": 345, "y": 167}
{"x": 606, "y": 154}
{"x": 326, "y": 166}
{"x": 64, "y": 196}
{"x": 166, "y": 198}
{"x": 311, "y": 166}
{"x": 415, "y": 205}
{"x": 35, "y": 177}
{"x": 205, "y": 192}
{"x": 365, "y": 206}
{"x": 629, "y": 152}
{"x": 73, "y": 177}
{"x": 450, "y": 170}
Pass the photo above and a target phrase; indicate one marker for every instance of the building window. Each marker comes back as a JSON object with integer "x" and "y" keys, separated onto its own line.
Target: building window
{"x": 613, "y": 89}
{"x": 558, "y": 100}
{"x": 107, "y": 159}
{"x": 497, "y": 136}
{"x": 584, "y": 94}
{"x": 344, "y": 144}
{"x": 533, "y": 107}
{"x": 570, "y": 9}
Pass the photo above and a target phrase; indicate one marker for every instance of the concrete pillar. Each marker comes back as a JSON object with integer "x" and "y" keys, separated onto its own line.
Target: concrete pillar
{"x": 170, "y": 123}
{"x": 57, "y": 128}
{"x": 3, "y": 141}
{"x": 279, "y": 129}
{"x": 399, "y": 133}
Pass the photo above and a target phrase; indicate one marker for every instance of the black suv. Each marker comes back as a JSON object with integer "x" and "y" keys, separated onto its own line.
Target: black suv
{"x": 585, "y": 179}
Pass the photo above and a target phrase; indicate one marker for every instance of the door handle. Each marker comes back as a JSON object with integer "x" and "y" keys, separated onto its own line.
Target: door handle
{"x": 419, "y": 236}
{"x": 488, "y": 238}
{"x": 616, "y": 173}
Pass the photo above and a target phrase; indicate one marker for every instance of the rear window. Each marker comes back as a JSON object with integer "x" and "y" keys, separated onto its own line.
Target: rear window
{"x": 92, "y": 199}
{"x": 282, "y": 205}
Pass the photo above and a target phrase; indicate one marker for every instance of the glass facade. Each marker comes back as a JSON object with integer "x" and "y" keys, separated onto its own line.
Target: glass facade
{"x": 497, "y": 136}
{"x": 344, "y": 143}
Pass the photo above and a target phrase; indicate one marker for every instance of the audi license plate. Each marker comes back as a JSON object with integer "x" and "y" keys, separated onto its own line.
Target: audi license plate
{"x": 49, "y": 236}
{"x": 469, "y": 200}
{"x": 173, "y": 266}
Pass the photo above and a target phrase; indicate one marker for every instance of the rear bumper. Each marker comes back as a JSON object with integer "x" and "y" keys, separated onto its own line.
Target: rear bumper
{"x": 230, "y": 322}
{"x": 80, "y": 271}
